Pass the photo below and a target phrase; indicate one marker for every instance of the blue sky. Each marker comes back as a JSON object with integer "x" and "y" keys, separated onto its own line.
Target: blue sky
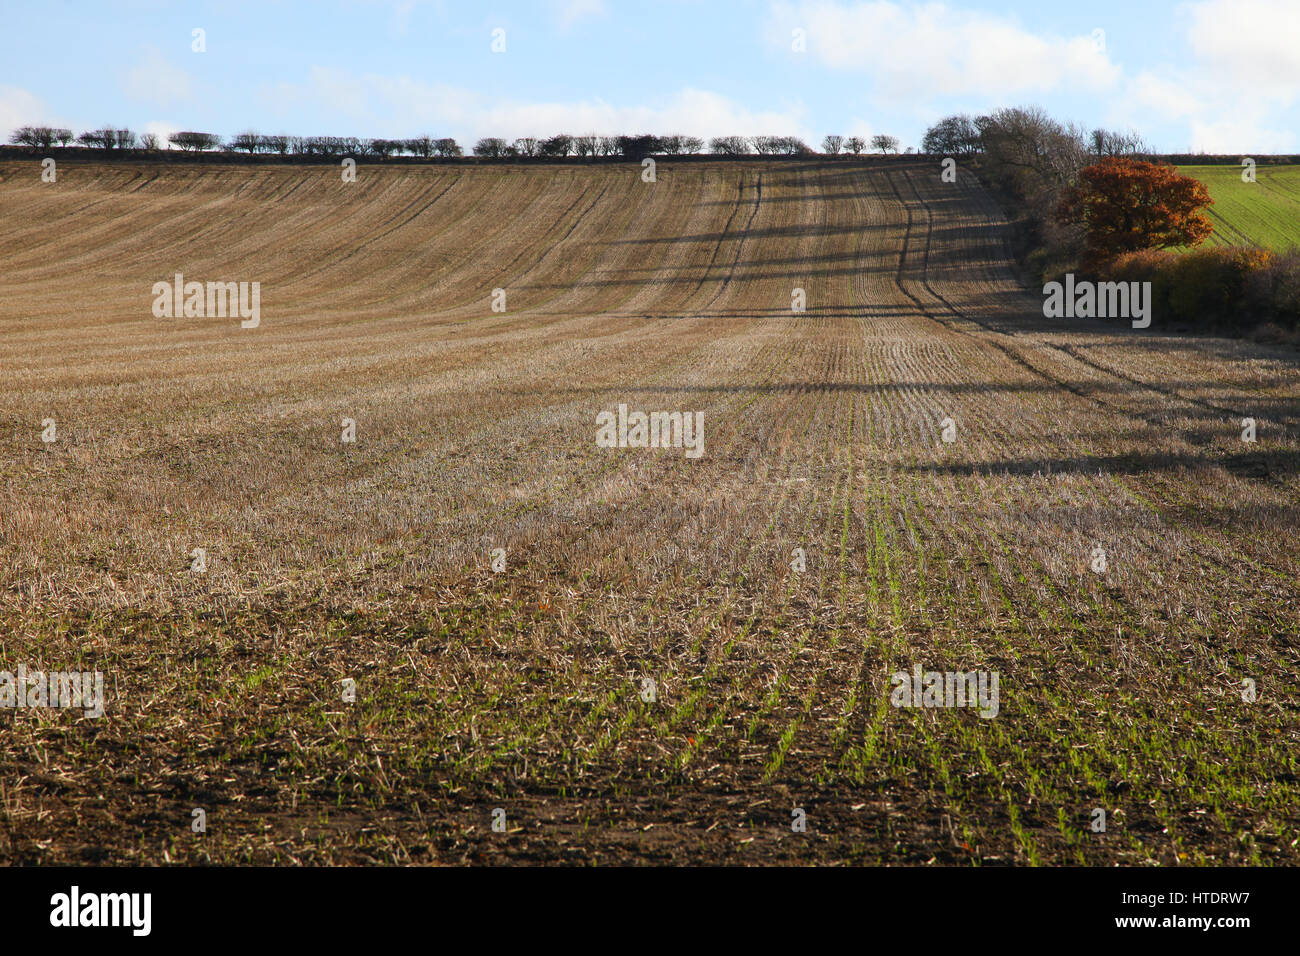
{"x": 1214, "y": 75}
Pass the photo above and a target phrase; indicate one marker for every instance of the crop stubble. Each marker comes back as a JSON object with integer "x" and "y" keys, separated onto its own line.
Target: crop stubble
{"x": 476, "y": 431}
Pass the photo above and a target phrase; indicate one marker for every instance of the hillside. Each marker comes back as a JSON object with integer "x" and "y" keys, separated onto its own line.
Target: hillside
{"x": 525, "y": 689}
{"x": 1264, "y": 213}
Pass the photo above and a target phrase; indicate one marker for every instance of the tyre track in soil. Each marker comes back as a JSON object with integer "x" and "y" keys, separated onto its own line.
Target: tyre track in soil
{"x": 1166, "y": 492}
{"x": 776, "y": 680}
{"x": 880, "y": 542}
{"x": 1130, "y": 491}
{"x": 1019, "y": 356}
{"x": 1146, "y": 345}
{"x": 724, "y": 650}
{"x": 642, "y": 517}
{"x": 1118, "y": 612}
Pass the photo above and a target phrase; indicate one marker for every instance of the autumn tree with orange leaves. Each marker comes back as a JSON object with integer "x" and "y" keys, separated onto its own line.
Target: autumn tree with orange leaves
{"x": 1126, "y": 205}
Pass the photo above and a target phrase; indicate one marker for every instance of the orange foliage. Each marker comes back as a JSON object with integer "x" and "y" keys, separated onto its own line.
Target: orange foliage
{"x": 1230, "y": 288}
{"x": 1126, "y": 205}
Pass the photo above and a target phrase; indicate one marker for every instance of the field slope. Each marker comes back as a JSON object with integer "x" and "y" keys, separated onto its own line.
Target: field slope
{"x": 1264, "y": 213}
{"x": 369, "y": 565}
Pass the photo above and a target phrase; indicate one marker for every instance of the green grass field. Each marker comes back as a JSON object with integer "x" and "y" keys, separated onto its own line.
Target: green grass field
{"x": 1263, "y": 213}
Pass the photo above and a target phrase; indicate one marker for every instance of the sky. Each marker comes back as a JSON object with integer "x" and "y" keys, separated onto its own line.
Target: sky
{"x": 1195, "y": 75}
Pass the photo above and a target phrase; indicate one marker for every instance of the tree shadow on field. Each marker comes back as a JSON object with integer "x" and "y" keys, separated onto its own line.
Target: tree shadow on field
{"x": 796, "y": 231}
{"x": 806, "y": 199}
{"x": 857, "y": 172}
{"x": 964, "y": 233}
{"x": 952, "y": 272}
{"x": 866, "y": 311}
{"x": 1216, "y": 423}
{"x": 739, "y": 272}
{"x": 974, "y": 234}
{"x": 1277, "y": 466}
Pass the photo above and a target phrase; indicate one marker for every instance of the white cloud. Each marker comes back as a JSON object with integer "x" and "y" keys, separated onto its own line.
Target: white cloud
{"x": 1239, "y": 69}
{"x": 153, "y": 80}
{"x": 1167, "y": 96}
{"x": 931, "y": 49}
{"x": 1241, "y": 74}
{"x": 860, "y": 128}
{"x": 1240, "y": 135}
{"x": 1252, "y": 46}
{"x": 399, "y": 106}
{"x": 20, "y": 108}
{"x": 162, "y": 129}
{"x": 690, "y": 111}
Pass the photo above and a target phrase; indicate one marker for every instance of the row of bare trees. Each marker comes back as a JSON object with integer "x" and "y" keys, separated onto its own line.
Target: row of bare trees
{"x": 590, "y": 146}
{"x": 834, "y": 145}
{"x": 762, "y": 145}
{"x": 1031, "y": 158}
{"x": 422, "y": 146}
{"x": 1028, "y": 153}
{"x": 635, "y": 147}
{"x": 108, "y": 138}
{"x": 1029, "y": 138}
{"x": 44, "y": 137}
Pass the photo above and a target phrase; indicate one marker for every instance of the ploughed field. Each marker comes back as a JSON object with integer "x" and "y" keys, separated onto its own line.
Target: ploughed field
{"x": 1162, "y": 690}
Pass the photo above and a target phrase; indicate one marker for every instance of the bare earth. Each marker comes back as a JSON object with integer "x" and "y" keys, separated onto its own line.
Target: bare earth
{"x": 523, "y": 690}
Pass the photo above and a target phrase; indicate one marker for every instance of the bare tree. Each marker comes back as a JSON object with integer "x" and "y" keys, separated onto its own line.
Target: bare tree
{"x": 884, "y": 144}
{"x": 729, "y": 145}
{"x": 638, "y": 147}
{"x": 671, "y": 145}
{"x": 831, "y": 145}
{"x": 490, "y": 147}
{"x": 954, "y": 135}
{"x": 446, "y": 147}
{"x": 586, "y": 146}
{"x": 332, "y": 146}
{"x": 526, "y": 146}
{"x": 1104, "y": 142}
{"x": 188, "y": 140}
{"x": 107, "y": 138}
{"x": 248, "y": 142}
{"x": 780, "y": 146}
{"x": 854, "y": 145}
{"x": 677, "y": 145}
{"x": 556, "y": 146}
{"x": 25, "y": 136}
{"x": 383, "y": 148}
{"x": 104, "y": 138}
{"x": 64, "y": 136}
{"x": 1031, "y": 153}
{"x": 149, "y": 141}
